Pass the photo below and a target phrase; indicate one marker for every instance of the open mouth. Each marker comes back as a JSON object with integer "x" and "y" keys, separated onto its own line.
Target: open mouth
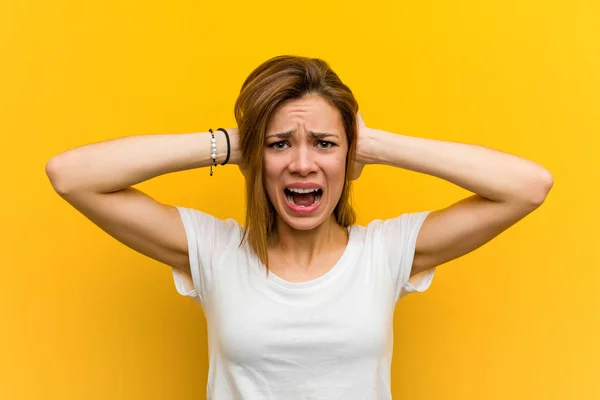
{"x": 303, "y": 197}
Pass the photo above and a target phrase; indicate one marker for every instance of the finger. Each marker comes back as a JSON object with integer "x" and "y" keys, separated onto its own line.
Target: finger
{"x": 361, "y": 122}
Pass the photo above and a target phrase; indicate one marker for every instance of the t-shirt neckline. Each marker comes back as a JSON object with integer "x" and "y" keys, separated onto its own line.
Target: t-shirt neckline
{"x": 335, "y": 270}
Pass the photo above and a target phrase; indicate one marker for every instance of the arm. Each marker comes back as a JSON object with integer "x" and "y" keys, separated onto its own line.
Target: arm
{"x": 96, "y": 180}
{"x": 506, "y": 188}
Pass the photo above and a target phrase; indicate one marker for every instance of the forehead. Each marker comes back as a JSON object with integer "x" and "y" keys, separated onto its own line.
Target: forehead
{"x": 311, "y": 112}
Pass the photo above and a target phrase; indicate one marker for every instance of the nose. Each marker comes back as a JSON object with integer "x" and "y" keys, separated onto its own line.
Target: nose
{"x": 302, "y": 161}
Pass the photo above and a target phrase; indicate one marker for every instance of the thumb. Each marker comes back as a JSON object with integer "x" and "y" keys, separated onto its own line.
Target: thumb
{"x": 242, "y": 168}
{"x": 360, "y": 119}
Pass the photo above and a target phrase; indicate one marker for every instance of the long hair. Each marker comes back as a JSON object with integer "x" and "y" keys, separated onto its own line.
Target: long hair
{"x": 269, "y": 86}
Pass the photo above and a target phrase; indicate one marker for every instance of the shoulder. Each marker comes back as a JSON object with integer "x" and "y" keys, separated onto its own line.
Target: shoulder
{"x": 392, "y": 236}
{"x": 403, "y": 224}
{"x": 200, "y": 221}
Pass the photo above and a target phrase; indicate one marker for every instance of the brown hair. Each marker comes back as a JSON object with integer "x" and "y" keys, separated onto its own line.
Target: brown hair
{"x": 277, "y": 80}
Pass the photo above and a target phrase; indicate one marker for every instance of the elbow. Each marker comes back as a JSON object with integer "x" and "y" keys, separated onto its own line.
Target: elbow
{"x": 55, "y": 172}
{"x": 542, "y": 187}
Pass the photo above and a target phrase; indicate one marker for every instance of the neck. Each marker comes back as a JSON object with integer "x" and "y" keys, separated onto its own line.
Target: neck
{"x": 301, "y": 247}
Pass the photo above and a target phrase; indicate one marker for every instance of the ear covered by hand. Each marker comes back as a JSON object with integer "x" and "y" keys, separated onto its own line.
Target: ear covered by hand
{"x": 362, "y": 132}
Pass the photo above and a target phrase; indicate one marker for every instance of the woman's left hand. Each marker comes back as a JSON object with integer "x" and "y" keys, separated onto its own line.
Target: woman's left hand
{"x": 359, "y": 162}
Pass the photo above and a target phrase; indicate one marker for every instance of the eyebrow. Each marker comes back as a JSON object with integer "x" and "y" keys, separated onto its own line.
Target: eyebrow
{"x": 317, "y": 135}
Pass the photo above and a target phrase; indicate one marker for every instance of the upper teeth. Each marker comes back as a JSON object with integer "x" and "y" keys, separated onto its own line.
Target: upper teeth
{"x": 299, "y": 190}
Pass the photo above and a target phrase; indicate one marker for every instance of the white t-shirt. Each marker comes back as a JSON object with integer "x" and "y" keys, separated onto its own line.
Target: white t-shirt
{"x": 324, "y": 339}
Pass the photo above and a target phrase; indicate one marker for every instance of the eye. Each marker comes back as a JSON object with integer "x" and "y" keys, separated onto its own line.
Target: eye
{"x": 276, "y": 145}
{"x": 327, "y": 144}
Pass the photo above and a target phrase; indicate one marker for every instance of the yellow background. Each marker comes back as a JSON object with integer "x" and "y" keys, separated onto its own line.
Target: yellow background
{"x": 84, "y": 317}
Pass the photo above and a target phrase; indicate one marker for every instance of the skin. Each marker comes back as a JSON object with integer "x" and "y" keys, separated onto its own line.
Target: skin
{"x": 506, "y": 189}
{"x": 305, "y": 246}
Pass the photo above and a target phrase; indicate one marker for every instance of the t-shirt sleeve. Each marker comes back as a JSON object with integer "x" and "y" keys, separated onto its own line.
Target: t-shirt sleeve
{"x": 400, "y": 238}
{"x": 208, "y": 238}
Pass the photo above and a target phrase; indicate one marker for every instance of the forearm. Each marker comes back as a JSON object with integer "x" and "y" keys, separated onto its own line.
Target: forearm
{"x": 487, "y": 172}
{"x": 119, "y": 163}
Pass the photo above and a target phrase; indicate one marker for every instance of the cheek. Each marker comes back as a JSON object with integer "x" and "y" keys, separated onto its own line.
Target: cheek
{"x": 336, "y": 173}
{"x": 271, "y": 177}
{"x": 337, "y": 166}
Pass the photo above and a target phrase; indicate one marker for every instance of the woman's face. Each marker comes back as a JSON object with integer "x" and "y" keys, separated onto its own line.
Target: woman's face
{"x": 305, "y": 161}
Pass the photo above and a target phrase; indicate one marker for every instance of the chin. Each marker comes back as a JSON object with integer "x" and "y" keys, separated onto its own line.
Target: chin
{"x": 303, "y": 224}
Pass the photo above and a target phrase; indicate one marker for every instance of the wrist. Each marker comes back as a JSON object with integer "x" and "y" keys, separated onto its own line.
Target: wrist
{"x": 235, "y": 156}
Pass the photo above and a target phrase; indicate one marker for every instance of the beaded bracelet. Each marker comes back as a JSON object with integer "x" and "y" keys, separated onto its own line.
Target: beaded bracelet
{"x": 213, "y": 151}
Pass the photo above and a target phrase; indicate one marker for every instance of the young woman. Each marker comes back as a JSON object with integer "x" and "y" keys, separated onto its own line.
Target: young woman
{"x": 299, "y": 300}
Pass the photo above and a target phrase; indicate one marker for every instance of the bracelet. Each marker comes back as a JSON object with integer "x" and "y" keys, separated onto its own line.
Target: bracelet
{"x": 213, "y": 150}
{"x": 228, "y": 144}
